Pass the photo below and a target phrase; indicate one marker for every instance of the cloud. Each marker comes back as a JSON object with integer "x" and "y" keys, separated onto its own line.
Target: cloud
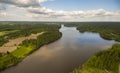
{"x": 23, "y": 3}
{"x": 39, "y": 10}
{"x": 33, "y": 10}
{"x": 2, "y": 7}
{"x": 78, "y": 14}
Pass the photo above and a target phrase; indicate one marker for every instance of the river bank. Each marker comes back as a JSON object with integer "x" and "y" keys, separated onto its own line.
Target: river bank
{"x": 62, "y": 56}
{"x": 106, "y": 61}
{"x": 27, "y": 47}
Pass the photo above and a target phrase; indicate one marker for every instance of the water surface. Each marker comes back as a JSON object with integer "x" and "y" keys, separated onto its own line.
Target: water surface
{"x": 64, "y": 55}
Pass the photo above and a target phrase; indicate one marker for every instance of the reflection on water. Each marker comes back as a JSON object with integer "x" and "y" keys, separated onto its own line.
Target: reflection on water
{"x": 62, "y": 56}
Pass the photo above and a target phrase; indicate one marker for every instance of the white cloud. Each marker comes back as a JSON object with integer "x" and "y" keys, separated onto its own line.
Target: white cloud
{"x": 23, "y": 3}
{"x": 32, "y": 10}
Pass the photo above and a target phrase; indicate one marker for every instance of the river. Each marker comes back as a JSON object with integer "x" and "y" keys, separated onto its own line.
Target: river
{"x": 64, "y": 55}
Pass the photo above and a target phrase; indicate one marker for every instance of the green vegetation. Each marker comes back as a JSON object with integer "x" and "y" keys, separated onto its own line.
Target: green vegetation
{"x": 106, "y": 61}
{"x": 103, "y": 62}
{"x": 22, "y": 29}
{"x": 51, "y": 34}
{"x": 7, "y": 32}
{"x": 109, "y": 31}
{"x": 2, "y": 33}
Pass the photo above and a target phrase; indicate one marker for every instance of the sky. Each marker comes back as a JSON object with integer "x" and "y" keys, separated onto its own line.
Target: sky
{"x": 59, "y": 10}
{"x": 83, "y": 4}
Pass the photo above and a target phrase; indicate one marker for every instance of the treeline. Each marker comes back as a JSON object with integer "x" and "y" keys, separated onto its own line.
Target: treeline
{"x": 110, "y": 31}
{"x": 107, "y": 61}
{"x": 75, "y": 24}
{"x": 27, "y": 47}
{"x": 23, "y": 30}
{"x": 107, "y": 30}
{"x": 3, "y": 40}
{"x": 51, "y": 33}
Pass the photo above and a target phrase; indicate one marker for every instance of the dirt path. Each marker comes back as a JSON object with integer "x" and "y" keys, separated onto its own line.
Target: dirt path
{"x": 13, "y": 44}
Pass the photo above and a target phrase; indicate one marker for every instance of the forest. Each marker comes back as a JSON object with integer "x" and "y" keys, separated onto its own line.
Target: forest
{"x": 51, "y": 34}
{"x": 22, "y": 29}
{"x": 109, "y": 31}
{"x": 106, "y": 61}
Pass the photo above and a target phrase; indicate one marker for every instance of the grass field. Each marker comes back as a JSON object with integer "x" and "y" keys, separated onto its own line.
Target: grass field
{"x": 2, "y": 33}
{"x": 22, "y": 51}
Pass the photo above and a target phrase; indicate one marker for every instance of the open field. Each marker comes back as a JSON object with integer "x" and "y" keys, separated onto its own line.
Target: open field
{"x": 14, "y": 43}
{"x": 2, "y": 33}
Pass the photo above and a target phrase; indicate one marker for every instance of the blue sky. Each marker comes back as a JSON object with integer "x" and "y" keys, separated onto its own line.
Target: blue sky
{"x": 83, "y": 4}
{"x": 59, "y": 10}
